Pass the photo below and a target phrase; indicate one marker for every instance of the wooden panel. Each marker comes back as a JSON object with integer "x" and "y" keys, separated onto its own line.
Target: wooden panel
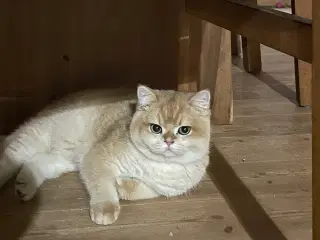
{"x": 49, "y": 48}
{"x": 118, "y": 45}
{"x": 281, "y": 31}
{"x": 216, "y": 71}
{"x": 184, "y": 42}
{"x": 316, "y": 120}
{"x": 14, "y": 110}
{"x": 303, "y": 70}
{"x": 195, "y": 46}
{"x": 32, "y": 47}
{"x": 190, "y": 48}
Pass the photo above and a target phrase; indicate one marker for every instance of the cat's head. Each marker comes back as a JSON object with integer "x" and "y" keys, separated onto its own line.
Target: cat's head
{"x": 171, "y": 126}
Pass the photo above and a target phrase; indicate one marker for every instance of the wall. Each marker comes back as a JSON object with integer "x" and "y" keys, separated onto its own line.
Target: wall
{"x": 51, "y": 47}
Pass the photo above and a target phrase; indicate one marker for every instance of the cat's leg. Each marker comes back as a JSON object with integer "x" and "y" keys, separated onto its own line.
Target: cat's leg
{"x": 99, "y": 179}
{"x": 34, "y": 172}
{"x": 17, "y": 149}
{"x": 8, "y": 168}
{"x": 134, "y": 189}
{"x": 104, "y": 201}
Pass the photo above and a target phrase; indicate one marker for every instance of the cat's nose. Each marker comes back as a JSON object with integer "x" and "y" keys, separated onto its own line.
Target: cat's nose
{"x": 169, "y": 142}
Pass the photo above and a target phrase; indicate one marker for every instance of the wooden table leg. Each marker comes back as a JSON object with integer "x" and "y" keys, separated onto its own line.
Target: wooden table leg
{"x": 216, "y": 72}
{"x": 303, "y": 69}
{"x": 316, "y": 121}
{"x": 251, "y": 51}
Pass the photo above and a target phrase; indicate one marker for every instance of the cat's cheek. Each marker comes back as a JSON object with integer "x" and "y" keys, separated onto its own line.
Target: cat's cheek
{"x": 185, "y": 144}
{"x": 151, "y": 142}
{"x": 193, "y": 147}
{"x": 154, "y": 139}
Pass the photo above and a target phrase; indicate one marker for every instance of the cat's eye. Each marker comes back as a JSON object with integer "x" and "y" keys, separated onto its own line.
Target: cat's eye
{"x": 155, "y": 128}
{"x": 184, "y": 130}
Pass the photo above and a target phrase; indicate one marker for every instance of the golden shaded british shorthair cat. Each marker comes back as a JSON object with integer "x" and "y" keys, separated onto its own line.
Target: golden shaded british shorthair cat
{"x": 125, "y": 144}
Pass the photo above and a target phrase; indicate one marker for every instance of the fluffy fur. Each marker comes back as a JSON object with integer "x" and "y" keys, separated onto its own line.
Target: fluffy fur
{"x": 108, "y": 137}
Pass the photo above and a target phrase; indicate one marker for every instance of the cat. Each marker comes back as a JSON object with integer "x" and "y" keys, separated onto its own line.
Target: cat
{"x": 129, "y": 145}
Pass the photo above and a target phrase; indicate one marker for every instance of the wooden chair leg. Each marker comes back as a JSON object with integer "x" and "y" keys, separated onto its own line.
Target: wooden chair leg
{"x": 215, "y": 71}
{"x": 251, "y": 55}
{"x": 302, "y": 69}
{"x": 316, "y": 121}
{"x": 251, "y": 52}
{"x": 205, "y": 62}
{"x": 235, "y": 51}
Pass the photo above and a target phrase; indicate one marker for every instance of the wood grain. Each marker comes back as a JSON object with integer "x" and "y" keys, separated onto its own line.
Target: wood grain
{"x": 251, "y": 55}
{"x": 267, "y": 151}
{"x": 303, "y": 70}
{"x": 251, "y": 51}
{"x": 190, "y": 49}
{"x": 50, "y": 48}
{"x": 195, "y": 48}
{"x": 316, "y": 121}
{"x": 262, "y": 171}
{"x": 284, "y": 32}
{"x": 215, "y": 72}
{"x": 184, "y": 82}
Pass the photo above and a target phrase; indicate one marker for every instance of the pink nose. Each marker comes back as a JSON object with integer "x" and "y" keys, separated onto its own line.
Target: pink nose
{"x": 169, "y": 142}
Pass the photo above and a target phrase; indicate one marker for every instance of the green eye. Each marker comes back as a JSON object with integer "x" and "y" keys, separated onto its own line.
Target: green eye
{"x": 155, "y": 128}
{"x": 184, "y": 130}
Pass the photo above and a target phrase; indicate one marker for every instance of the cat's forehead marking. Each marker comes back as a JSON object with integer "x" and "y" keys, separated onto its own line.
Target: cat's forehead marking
{"x": 171, "y": 111}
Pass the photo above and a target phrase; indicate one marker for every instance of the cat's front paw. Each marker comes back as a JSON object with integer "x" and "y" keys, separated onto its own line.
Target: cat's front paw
{"x": 25, "y": 185}
{"x": 104, "y": 213}
{"x": 126, "y": 187}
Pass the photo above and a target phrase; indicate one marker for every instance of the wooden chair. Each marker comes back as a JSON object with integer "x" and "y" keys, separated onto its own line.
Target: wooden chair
{"x": 252, "y": 54}
{"x": 287, "y": 33}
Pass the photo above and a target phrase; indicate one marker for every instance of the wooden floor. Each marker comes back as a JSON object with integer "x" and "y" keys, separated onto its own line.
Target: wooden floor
{"x": 261, "y": 168}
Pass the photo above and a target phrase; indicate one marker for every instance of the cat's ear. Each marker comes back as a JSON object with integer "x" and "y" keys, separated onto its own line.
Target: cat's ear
{"x": 145, "y": 95}
{"x": 201, "y": 99}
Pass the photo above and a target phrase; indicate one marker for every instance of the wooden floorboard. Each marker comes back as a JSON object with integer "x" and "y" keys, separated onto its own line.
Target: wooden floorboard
{"x": 261, "y": 171}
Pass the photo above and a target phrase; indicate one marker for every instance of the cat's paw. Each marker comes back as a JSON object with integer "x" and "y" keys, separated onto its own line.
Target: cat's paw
{"x": 25, "y": 185}
{"x": 126, "y": 187}
{"x": 104, "y": 213}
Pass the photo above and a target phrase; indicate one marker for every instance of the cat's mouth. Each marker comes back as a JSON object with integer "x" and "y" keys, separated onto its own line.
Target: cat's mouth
{"x": 169, "y": 153}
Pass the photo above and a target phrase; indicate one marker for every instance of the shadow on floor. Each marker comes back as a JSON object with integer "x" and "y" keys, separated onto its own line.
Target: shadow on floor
{"x": 245, "y": 206}
{"x": 278, "y": 87}
{"x": 271, "y": 82}
{"x": 15, "y": 216}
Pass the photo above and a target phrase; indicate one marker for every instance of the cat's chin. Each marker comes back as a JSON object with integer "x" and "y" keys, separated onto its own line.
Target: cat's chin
{"x": 170, "y": 154}
{"x": 164, "y": 156}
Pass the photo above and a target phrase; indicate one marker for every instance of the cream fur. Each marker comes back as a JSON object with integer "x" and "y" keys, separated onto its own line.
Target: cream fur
{"x": 106, "y": 136}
